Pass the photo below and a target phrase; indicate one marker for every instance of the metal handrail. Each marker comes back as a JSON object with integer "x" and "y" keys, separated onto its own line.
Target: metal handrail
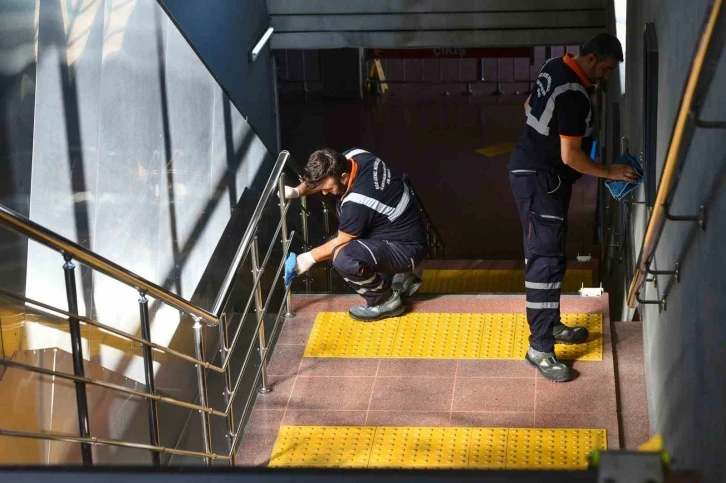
{"x": 22, "y": 225}
{"x": 112, "y": 330}
{"x": 53, "y": 436}
{"x": 242, "y": 250}
{"x": 703, "y": 68}
{"x": 109, "y": 385}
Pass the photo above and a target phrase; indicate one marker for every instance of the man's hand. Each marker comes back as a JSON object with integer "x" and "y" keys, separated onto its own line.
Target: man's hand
{"x": 622, "y": 172}
{"x": 304, "y": 262}
{"x": 290, "y": 193}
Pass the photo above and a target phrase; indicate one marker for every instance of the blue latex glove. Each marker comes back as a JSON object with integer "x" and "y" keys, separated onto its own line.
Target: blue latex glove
{"x": 618, "y": 188}
{"x": 290, "y": 272}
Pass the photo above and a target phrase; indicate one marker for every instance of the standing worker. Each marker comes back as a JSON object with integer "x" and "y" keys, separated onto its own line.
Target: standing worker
{"x": 380, "y": 231}
{"x": 549, "y": 157}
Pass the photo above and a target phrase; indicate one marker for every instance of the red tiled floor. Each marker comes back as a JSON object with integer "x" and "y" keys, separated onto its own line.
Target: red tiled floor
{"x": 495, "y": 368}
{"x": 408, "y": 418}
{"x": 313, "y": 304}
{"x": 582, "y": 395}
{"x": 278, "y": 398}
{"x": 295, "y": 417}
{"x": 632, "y": 403}
{"x": 322, "y": 366}
{"x": 296, "y": 330}
{"x": 286, "y": 360}
{"x": 493, "y": 419}
{"x": 494, "y": 394}
{"x": 488, "y": 393}
{"x": 417, "y": 367}
{"x": 263, "y": 425}
{"x": 412, "y": 393}
{"x": 332, "y": 393}
{"x": 254, "y": 454}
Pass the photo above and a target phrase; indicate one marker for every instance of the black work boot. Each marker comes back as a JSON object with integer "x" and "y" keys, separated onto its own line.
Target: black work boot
{"x": 406, "y": 283}
{"x": 392, "y": 307}
{"x": 548, "y": 365}
{"x": 569, "y": 335}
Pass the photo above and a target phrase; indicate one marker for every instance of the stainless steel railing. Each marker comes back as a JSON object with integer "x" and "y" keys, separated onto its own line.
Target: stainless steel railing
{"x": 248, "y": 247}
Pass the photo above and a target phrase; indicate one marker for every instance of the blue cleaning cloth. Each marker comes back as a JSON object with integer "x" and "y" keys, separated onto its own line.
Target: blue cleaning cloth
{"x": 619, "y": 189}
{"x": 593, "y": 152}
{"x": 290, "y": 272}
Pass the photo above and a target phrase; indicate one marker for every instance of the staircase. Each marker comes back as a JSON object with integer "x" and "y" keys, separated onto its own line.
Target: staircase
{"x": 444, "y": 386}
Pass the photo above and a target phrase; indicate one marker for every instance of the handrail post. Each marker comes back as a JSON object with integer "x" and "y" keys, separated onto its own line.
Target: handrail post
{"x": 154, "y": 436}
{"x": 202, "y": 385}
{"x": 77, "y": 351}
{"x": 257, "y": 272}
{"x": 326, "y": 227}
{"x": 283, "y": 230}
{"x": 306, "y": 237}
{"x": 224, "y": 338}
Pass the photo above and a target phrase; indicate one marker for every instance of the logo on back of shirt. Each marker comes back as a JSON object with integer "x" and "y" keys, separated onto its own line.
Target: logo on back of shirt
{"x": 381, "y": 175}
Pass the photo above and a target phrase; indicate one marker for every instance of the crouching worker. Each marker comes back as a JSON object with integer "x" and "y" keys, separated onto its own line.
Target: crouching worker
{"x": 380, "y": 232}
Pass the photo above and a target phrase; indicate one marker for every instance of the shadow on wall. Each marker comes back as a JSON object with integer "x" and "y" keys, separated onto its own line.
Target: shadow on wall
{"x": 135, "y": 150}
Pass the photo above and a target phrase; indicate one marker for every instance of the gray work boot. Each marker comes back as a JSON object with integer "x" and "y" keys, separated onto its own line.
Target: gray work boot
{"x": 548, "y": 365}
{"x": 392, "y": 307}
{"x": 569, "y": 335}
{"x": 406, "y": 283}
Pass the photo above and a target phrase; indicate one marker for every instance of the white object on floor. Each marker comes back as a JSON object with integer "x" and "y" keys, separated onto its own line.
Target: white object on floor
{"x": 591, "y": 291}
{"x": 583, "y": 258}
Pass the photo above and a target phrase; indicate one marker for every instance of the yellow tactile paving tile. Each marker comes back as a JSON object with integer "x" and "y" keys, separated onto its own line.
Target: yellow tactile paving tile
{"x": 428, "y": 447}
{"x": 442, "y": 336}
{"x": 492, "y": 281}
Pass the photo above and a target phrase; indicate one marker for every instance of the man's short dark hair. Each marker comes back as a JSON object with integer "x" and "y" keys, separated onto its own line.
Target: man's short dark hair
{"x": 603, "y": 46}
{"x": 323, "y": 164}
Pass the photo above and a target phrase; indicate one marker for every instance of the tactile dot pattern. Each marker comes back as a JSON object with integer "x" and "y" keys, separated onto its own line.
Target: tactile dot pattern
{"x": 442, "y": 336}
{"x": 492, "y": 281}
{"x": 326, "y": 446}
{"x": 552, "y": 448}
{"x": 427, "y": 447}
{"x": 438, "y": 336}
{"x": 335, "y": 334}
{"x": 409, "y": 447}
{"x": 488, "y": 448}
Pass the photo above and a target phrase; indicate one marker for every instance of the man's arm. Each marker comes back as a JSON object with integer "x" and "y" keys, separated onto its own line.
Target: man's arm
{"x": 574, "y": 157}
{"x": 324, "y": 252}
{"x": 306, "y": 190}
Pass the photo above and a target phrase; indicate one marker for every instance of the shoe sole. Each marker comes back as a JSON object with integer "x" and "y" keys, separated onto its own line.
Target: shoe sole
{"x": 535, "y": 365}
{"x": 387, "y": 315}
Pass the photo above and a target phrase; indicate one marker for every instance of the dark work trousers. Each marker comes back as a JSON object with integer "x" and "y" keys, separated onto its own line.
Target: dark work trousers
{"x": 543, "y": 199}
{"x": 369, "y": 265}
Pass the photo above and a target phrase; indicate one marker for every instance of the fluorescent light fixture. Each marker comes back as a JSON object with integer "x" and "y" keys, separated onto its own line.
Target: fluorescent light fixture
{"x": 260, "y": 44}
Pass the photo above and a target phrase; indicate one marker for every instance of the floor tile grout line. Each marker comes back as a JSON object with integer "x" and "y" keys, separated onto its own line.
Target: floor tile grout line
{"x": 453, "y": 392}
{"x": 373, "y": 389}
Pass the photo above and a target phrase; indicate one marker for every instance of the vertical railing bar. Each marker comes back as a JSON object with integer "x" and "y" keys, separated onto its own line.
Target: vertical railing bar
{"x": 283, "y": 220}
{"x": 77, "y": 352}
{"x": 306, "y": 237}
{"x": 326, "y": 228}
{"x": 257, "y": 272}
{"x": 224, "y": 338}
{"x": 202, "y": 386}
{"x": 154, "y": 435}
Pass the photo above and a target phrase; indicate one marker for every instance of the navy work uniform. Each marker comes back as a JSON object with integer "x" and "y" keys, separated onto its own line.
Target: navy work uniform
{"x": 379, "y": 212}
{"x": 559, "y": 107}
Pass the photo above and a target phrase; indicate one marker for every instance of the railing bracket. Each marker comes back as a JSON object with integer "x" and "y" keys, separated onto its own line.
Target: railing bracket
{"x": 661, "y": 303}
{"x": 675, "y": 272}
{"x": 710, "y": 124}
{"x": 700, "y": 218}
